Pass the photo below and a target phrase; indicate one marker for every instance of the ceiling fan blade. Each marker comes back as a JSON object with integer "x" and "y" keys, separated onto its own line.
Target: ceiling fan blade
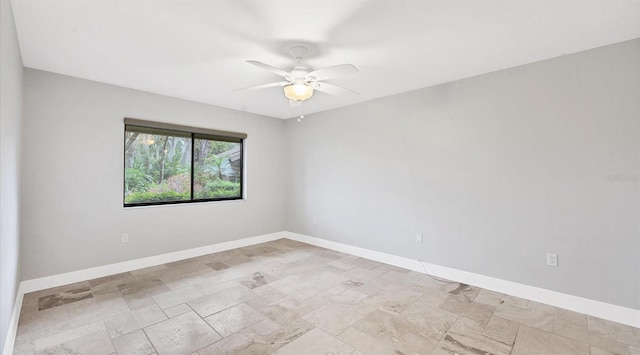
{"x": 280, "y": 84}
{"x": 270, "y": 68}
{"x": 334, "y": 90}
{"x": 331, "y": 72}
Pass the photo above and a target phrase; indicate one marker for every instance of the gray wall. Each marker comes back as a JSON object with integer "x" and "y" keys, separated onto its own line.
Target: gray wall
{"x": 10, "y": 121}
{"x": 495, "y": 171}
{"x": 72, "y": 177}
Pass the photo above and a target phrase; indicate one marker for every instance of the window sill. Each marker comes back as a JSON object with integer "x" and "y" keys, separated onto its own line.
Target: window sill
{"x": 198, "y": 203}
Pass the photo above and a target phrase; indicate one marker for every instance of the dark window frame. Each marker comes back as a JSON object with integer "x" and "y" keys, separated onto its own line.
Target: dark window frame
{"x": 193, "y": 133}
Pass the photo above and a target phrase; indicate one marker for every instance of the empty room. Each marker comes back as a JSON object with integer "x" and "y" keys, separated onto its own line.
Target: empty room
{"x": 352, "y": 177}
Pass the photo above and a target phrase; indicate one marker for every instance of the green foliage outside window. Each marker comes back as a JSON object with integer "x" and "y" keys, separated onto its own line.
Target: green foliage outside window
{"x": 158, "y": 168}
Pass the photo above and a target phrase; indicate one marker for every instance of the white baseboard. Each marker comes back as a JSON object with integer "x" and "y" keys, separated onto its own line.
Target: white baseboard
{"x": 106, "y": 270}
{"x": 13, "y": 323}
{"x": 594, "y": 308}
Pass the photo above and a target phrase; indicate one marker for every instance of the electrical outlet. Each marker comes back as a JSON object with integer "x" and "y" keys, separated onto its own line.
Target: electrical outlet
{"x": 552, "y": 259}
{"x": 418, "y": 237}
{"x": 124, "y": 238}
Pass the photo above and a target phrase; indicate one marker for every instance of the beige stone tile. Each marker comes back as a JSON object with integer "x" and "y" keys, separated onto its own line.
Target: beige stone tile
{"x": 341, "y": 265}
{"x": 109, "y": 283}
{"x": 332, "y": 319}
{"x": 339, "y": 295}
{"x": 308, "y": 266}
{"x": 265, "y": 295}
{"x": 465, "y": 337}
{"x": 274, "y": 268}
{"x": 234, "y": 273}
{"x": 64, "y": 296}
{"x": 34, "y": 325}
{"x": 255, "y": 280}
{"x": 359, "y": 274}
{"x": 175, "y": 297}
{"x": 259, "y": 250}
{"x": 331, "y": 254}
{"x": 177, "y": 310}
{"x": 137, "y": 293}
{"x": 537, "y": 317}
{"x": 230, "y": 257}
{"x": 24, "y": 349}
{"x": 287, "y": 310}
{"x": 387, "y": 267}
{"x": 147, "y": 270}
{"x": 501, "y": 329}
{"x": 366, "y": 264}
{"x": 208, "y": 286}
{"x": 391, "y": 300}
{"x": 541, "y": 306}
{"x": 217, "y": 265}
{"x": 436, "y": 320}
{"x": 287, "y": 333}
{"x": 297, "y": 287}
{"x": 138, "y": 301}
{"x": 598, "y": 351}
{"x": 234, "y": 319}
{"x": 178, "y": 278}
{"x": 570, "y": 319}
{"x": 64, "y": 288}
{"x": 614, "y": 331}
{"x": 431, "y": 283}
{"x": 237, "y": 344}
{"x": 365, "y": 343}
{"x": 433, "y": 298}
{"x": 135, "y": 343}
{"x": 97, "y": 343}
{"x": 398, "y": 279}
{"x": 592, "y": 339}
{"x": 463, "y": 305}
{"x": 416, "y": 276}
{"x": 310, "y": 296}
{"x": 183, "y": 334}
{"x": 183, "y": 267}
{"x": 399, "y": 333}
{"x": 146, "y": 284}
{"x": 315, "y": 342}
{"x": 27, "y": 311}
{"x": 575, "y": 326}
{"x": 221, "y": 300}
{"x": 513, "y": 300}
{"x": 30, "y": 299}
{"x": 97, "y": 308}
{"x": 489, "y": 298}
{"x": 379, "y": 284}
{"x": 260, "y": 331}
{"x": 326, "y": 279}
{"x": 462, "y": 290}
{"x": 68, "y": 335}
{"x": 535, "y": 341}
{"x": 128, "y": 322}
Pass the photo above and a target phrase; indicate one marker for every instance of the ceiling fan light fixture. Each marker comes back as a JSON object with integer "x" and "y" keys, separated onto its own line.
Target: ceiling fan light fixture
{"x": 298, "y": 92}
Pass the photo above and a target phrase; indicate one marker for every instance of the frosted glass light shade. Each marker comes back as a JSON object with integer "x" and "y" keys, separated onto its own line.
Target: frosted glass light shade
{"x": 298, "y": 92}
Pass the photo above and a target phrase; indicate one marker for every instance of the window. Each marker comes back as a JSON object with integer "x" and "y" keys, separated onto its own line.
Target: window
{"x": 168, "y": 164}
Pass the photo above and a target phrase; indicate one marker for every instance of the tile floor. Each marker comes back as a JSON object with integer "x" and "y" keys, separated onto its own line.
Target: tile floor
{"x": 286, "y": 297}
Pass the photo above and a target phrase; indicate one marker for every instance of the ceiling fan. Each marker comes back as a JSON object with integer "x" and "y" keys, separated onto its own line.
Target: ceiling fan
{"x": 301, "y": 81}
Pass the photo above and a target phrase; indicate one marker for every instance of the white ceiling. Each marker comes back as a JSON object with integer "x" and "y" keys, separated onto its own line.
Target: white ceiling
{"x": 196, "y": 50}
